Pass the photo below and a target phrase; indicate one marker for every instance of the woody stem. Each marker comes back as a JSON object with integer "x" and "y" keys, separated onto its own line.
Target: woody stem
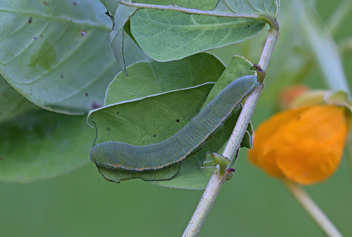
{"x": 217, "y": 179}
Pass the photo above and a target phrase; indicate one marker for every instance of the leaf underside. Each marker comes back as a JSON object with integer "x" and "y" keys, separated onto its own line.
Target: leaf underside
{"x": 57, "y": 54}
{"x": 168, "y": 35}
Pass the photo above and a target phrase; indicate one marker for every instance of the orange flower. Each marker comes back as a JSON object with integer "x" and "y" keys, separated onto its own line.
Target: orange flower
{"x": 304, "y": 145}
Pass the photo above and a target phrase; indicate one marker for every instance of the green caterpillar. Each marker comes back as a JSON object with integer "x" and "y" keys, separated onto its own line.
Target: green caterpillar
{"x": 184, "y": 143}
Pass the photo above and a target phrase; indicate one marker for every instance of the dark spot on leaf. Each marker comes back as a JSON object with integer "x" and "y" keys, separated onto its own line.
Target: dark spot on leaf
{"x": 95, "y": 105}
{"x": 83, "y": 33}
{"x": 41, "y": 36}
{"x": 62, "y": 76}
{"x": 117, "y": 112}
{"x": 46, "y": 3}
{"x": 154, "y": 136}
{"x": 35, "y": 37}
{"x": 75, "y": 3}
{"x": 30, "y": 20}
{"x": 177, "y": 120}
{"x": 108, "y": 129}
{"x": 86, "y": 94}
{"x": 69, "y": 46}
{"x": 248, "y": 26}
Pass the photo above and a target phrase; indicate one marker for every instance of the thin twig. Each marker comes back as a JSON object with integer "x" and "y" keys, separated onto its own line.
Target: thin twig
{"x": 313, "y": 210}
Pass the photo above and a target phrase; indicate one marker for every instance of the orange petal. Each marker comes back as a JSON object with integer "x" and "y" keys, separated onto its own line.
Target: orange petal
{"x": 265, "y": 142}
{"x": 304, "y": 145}
{"x": 311, "y": 144}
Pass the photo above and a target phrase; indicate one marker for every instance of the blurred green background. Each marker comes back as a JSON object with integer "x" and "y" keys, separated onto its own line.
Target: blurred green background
{"x": 82, "y": 203}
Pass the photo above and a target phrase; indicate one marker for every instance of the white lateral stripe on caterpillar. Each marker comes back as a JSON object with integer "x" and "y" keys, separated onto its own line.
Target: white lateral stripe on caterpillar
{"x": 182, "y": 144}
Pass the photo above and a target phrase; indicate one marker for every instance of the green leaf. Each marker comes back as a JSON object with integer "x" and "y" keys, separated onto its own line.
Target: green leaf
{"x": 40, "y": 144}
{"x": 155, "y": 101}
{"x": 149, "y": 78}
{"x": 220, "y": 160}
{"x": 12, "y": 103}
{"x": 123, "y": 14}
{"x": 57, "y": 54}
{"x": 269, "y": 8}
{"x": 169, "y": 35}
{"x": 247, "y": 140}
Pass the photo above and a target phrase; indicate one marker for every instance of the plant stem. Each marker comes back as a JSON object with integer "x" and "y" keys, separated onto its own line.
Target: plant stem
{"x": 315, "y": 212}
{"x": 216, "y": 180}
{"x": 271, "y": 21}
{"x": 205, "y": 204}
